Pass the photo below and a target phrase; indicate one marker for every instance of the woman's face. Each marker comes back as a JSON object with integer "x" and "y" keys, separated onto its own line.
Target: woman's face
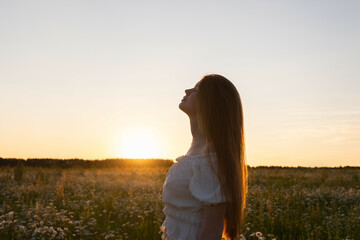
{"x": 188, "y": 103}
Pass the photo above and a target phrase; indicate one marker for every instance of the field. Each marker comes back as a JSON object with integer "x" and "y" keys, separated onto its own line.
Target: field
{"x": 125, "y": 203}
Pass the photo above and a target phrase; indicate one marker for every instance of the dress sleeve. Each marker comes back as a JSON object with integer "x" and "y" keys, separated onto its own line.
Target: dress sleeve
{"x": 204, "y": 184}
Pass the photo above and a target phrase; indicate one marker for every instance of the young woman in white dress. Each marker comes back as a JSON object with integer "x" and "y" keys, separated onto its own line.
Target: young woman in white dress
{"x": 205, "y": 190}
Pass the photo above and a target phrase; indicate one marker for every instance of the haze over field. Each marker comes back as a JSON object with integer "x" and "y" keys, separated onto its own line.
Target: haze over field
{"x": 95, "y": 80}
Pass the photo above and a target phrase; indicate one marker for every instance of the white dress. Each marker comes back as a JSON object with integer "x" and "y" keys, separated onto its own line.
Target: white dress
{"x": 189, "y": 185}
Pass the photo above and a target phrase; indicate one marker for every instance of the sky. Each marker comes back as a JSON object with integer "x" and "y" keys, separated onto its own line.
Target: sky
{"x": 103, "y": 79}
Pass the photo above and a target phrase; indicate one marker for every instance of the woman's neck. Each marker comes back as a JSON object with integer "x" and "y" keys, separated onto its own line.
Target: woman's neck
{"x": 198, "y": 144}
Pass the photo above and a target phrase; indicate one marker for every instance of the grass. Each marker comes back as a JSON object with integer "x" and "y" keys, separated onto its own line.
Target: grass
{"x": 125, "y": 203}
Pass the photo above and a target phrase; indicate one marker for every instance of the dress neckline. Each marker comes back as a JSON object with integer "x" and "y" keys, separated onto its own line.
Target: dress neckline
{"x": 198, "y": 155}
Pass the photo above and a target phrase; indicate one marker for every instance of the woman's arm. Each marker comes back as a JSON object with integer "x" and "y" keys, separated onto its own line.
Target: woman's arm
{"x": 213, "y": 222}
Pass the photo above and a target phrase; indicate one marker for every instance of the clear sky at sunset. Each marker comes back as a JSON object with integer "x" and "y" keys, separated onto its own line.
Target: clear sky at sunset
{"x": 103, "y": 79}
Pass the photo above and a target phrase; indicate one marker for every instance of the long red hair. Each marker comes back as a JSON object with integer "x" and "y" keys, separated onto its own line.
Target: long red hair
{"x": 220, "y": 118}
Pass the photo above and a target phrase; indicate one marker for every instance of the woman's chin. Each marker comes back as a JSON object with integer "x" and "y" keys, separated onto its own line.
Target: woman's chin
{"x": 181, "y": 106}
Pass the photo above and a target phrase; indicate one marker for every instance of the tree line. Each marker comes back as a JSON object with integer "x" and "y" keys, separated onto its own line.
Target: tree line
{"x": 120, "y": 162}
{"x": 70, "y": 163}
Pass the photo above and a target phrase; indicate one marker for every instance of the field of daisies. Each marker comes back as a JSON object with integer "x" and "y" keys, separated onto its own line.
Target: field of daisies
{"x": 125, "y": 203}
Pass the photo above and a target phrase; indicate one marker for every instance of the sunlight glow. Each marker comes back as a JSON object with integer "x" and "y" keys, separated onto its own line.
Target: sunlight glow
{"x": 138, "y": 142}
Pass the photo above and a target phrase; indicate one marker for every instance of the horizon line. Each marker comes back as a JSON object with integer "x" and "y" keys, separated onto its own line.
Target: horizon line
{"x": 166, "y": 159}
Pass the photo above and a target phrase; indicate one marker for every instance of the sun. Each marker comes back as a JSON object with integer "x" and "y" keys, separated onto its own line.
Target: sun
{"x": 138, "y": 142}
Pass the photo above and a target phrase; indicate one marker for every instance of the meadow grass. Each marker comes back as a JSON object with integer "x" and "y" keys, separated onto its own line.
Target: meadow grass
{"x": 125, "y": 203}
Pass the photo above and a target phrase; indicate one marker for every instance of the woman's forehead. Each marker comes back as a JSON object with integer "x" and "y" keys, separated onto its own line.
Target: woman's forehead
{"x": 197, "y": 85}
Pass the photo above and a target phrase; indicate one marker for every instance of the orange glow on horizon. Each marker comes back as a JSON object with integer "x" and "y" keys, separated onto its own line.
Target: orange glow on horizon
{"x": 137, "y": 142}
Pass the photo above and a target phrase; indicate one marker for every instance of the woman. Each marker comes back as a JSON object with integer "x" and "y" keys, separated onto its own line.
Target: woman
{"x": 205, "y": 190}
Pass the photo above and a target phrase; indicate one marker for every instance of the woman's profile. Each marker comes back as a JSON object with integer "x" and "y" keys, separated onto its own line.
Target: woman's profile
{"x": 204, "y": 192}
